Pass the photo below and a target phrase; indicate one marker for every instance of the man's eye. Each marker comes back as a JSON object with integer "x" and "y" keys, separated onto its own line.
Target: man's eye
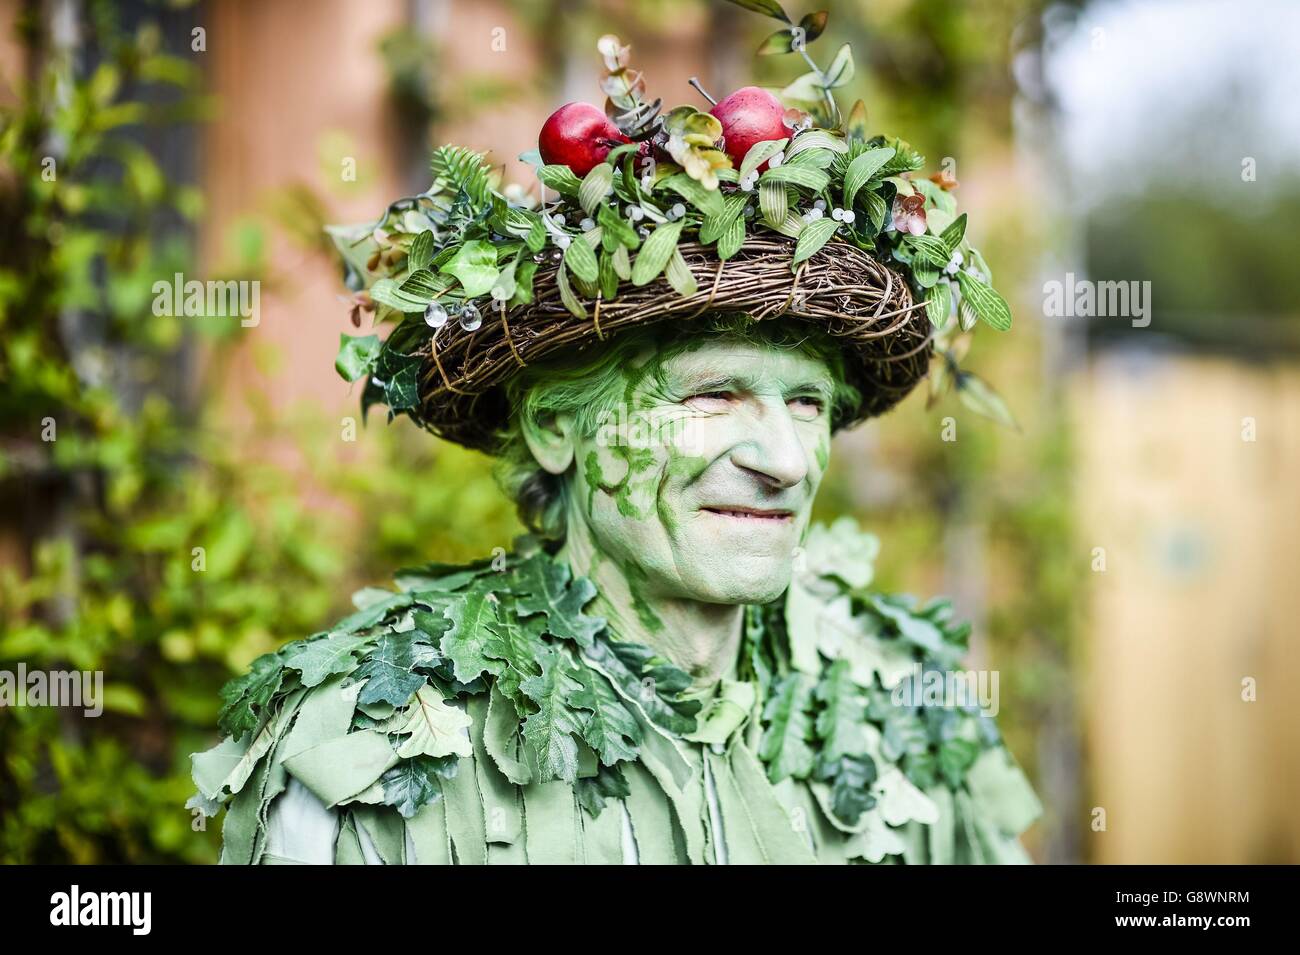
{"x": 710, "y": 396}
{"x": 806, "y": 405}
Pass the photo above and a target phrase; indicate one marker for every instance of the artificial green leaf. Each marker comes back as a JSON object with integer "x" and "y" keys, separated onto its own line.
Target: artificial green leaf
{"x": 570, "y": 301}
{"x": 389, "y": 670}
{"x": 647, "y": 680}
{"x": 714, "y": 226}
{"x": 788, "y": 729}
{"x": 679, "y": 275}
{"x": 708, "y": 201}
{"x": 655, "y": 253}
{"x": 953, "y": 234}
{"x": 560, "y": 178}
{"x": 546, "y": 587}
{"x": 773, "y": 202}
{"x": 732, "y": 238}
{"x": 464, "y": 644}
{"x": 475, "y": 265}
{"x": 814, "y": 180}
{"x": 988, "y": 304}
{"x": 435, "y": 728}
{"x": 413, "y": 783}
{"x": 596, "y": 185}
{"x": 813, "y": 236}
{"x": 855, "y": 127}
{"x": 978, "y": 396}
{"x": 357, "y": 355}
{"x": 768, "y": 8}
{"x": 323, "y": 656}
{"x": 840, "y": 72}
{"x": 420, "y": 254}
{"x": 938, "y": 304}
{"x": 760, "y": 153}
{"x": 609, "y": 728}
{"x": 581, "y": 260}
{"x": 862, "y": 169}
{"x": 550, "y": 732}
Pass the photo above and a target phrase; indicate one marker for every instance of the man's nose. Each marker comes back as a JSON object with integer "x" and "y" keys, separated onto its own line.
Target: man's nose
{"x": 772, "y": 450}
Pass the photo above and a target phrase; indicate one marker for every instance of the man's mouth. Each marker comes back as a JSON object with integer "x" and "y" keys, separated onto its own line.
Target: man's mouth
{"x": 756, "y": 514}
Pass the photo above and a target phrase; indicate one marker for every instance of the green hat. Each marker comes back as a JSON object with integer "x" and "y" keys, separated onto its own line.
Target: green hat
{"x": 756, "y": 206}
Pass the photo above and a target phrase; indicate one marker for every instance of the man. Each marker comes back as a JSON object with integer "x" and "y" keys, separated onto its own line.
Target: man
{"x": 677, "y": 667}
{"x": 657, "y": 689}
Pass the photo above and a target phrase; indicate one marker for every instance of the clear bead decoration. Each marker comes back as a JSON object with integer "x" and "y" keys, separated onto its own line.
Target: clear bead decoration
{"x": 470, "y": 317}
{"x": 435, "y": 316}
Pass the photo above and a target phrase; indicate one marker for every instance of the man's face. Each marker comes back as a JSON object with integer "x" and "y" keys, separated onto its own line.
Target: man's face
{"x": 700, "y": 484}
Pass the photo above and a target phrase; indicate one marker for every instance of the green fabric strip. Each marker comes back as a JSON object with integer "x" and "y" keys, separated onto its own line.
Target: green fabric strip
{"x": 602, "y": 837}
{"x": 549, "y": 833}
{"x": 347, "y": 848}
{"x": 942, "y": 835}
{"x": 342, "y": 767}
{"x": 501, "y": 814}
{"x": 240, "y": 830}
{"x": 386, "y": 829}
{"x": 807, "y": 816}
{"x": 428, "y": 829}
{"x": 653, "y": 824}
{"x": 771, "y": 824}
{"x": 682, "y": 784}
{"x": 465, "y": 821}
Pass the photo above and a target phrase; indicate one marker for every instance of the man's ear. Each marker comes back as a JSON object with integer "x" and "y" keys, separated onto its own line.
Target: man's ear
{"x": 550, "y": 439}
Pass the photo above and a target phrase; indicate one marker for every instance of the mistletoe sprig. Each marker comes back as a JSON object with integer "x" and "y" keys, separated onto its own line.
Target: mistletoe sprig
{"x": 626, "y": 193}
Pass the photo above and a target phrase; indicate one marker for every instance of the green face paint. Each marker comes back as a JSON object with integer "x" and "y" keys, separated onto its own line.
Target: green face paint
{"x": 703, "y": 489}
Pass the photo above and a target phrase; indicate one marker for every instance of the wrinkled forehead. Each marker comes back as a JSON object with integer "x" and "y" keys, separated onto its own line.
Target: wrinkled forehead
{"x": 714, "y": 362}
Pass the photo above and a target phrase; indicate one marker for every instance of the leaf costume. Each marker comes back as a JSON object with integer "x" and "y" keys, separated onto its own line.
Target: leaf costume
{"x": 479, "y": 715}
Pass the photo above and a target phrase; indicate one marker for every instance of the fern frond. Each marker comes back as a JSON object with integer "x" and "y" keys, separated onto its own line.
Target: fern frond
{"x": 464, "y": 170}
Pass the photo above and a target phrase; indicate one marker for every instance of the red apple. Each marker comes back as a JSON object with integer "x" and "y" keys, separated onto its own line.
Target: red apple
{"x": 580, "y": 136}
{"x": 749, "y": 115}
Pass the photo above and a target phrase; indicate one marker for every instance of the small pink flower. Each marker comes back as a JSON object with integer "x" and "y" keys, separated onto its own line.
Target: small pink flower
{"x": 909, "y": 214}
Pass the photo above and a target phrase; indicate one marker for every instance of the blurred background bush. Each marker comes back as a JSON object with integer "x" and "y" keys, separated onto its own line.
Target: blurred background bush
{"x": 1126, "y": 555}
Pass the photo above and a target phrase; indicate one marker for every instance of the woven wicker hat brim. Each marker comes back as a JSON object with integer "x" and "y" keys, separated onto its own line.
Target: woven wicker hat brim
{"x": 841, "y": 289}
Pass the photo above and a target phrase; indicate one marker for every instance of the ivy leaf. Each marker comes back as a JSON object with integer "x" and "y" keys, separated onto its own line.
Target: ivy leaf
{"x": 956, "y": 756}
{"x": 851, "y": 778}
{"x": 322, "y": 657}
{"x": 436, "y": 728}
{"x": 991, "y": 307}
{"x": 465, "y": 642}
{"x": 814, "y": 235}
{"x": 475, "y": 266}
{"x": 550, "y": 732}
{"x": 356, "y": 356}
{"x": 656, "y": 252}
{"x": 247, "y": 697}
{"x": 389, "y": 671}
{"x": 608, "y": 783}
{"x": 784, "y": 747}
{"x": 414, "y": 783}
{"x": 547, "y": 589}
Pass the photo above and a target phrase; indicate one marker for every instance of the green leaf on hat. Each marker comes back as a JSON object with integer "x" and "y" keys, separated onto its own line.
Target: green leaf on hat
{"x": 475, "y": 265}
{"x": 656, "y": 252}
{"x": 991, "y": 307}
{"x": 814, "y": 235}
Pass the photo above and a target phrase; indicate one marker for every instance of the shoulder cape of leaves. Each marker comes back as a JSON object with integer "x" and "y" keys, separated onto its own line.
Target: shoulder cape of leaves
{"x": 567, "y": 700}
